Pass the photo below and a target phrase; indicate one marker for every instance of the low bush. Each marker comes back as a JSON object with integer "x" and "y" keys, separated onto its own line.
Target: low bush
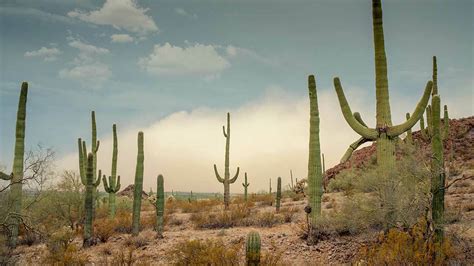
{"x": 207, "y": 252}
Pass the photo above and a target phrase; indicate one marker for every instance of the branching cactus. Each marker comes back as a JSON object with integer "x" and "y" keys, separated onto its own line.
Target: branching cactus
{"x": 385, "y": 134}
{"x": 137, "y": 193}
{"x": 278, "y": 195}
{"x": 226, "y": 180}
{"x": 315, "y": 175}
{"x": 355, "y": 144}
{"x": 245, "y": 185}
{"x": 16, "y": 177}
{"x": 89, "y": 202}
{"x": 114, "y": 182}
{"x": 160, "y": 205}
{"x": 252, "y": 250}
{"x": 437, "y": 171}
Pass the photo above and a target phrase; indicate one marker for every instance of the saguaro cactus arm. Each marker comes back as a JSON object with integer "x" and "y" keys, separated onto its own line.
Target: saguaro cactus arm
{"x": 394, "y": 131}
{"x": 235, "y": 176}
{"x": 446, "y": 123}
{"x": 219, "y": 178}
{"x": 362, "y": 130}
{"x": 356, "y": 144}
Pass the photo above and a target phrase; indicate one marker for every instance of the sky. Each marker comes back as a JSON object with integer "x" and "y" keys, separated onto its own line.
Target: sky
{"x": 173, "y": 69}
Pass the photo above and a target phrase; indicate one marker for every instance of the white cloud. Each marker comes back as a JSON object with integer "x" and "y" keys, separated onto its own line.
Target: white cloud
{"x": 197, "y": 59}
{"x": 268, "y": 138}
{"x": 87, "y": 68}
{"x": 233, "y": 52}
{"x": 121, "y": 38}
{"x": 184, "y": 13}
{"x": 48, "y": 54}
{"x": 121, "y": 14}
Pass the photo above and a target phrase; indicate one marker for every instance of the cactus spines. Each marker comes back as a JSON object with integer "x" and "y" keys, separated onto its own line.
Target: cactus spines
{"x": 245, "y": 185}
{"x": 16, "y": 177}
{"x": 278, "y": 195}
{"x": 226, "y": 180}
{"x": 89, "y": 202}
{"x": 315, "y": 177}
{"x": 252, "y": 249}
{"x": 113, "y": 186}
{"x": 160, "y": 205}
{"x": 385, "y": 134}
{"x": 137, "y": 193}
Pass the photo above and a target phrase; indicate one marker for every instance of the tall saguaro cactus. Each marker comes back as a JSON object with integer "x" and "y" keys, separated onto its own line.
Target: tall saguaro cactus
{"x": 16, "y": 177}
{"x": 270, "y": 184}
{"x": 89, "y": 202}
{"x": 137, "y": 193}
{"x": 315, "y": 175}
{"x": 437, "y": 170}
{"x": 252, "y": 249}
{"x": 278, "y": 195}
{"x": 114, "y": 182}
{"x": 160, "y": 205}
{"x": 245, "y": 185}
{"x": 226, "y": 180}
{"x": 385, "y": 134}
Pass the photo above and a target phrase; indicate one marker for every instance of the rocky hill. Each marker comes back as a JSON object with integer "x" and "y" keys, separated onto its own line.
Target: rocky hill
{"x": 458, "y": 149}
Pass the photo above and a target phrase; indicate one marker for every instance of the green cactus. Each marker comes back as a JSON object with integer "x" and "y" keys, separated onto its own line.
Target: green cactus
{"x": 226, "y": 180}
{"x": 315, "y": 176}
{"x": 446, "y": 123}
{"x": 16, "y": 177}
{"x": 292, "y": 185}
{"x": 385, "y": 134}
{"x": 137, "y": 193}
{"x": 245, "y": 185}
{"x": 89, "y": 202}
{"x": 347, "y": 155}
{"x": 437, "y": 170}
{"x": 114, "y": 182}
{"x": 324, "y": 164}
{"x": 252, "y": 250}
{"x": 278, "y": 195}
{"x": 160, "y": 205}
{"x": 409, "y": 137}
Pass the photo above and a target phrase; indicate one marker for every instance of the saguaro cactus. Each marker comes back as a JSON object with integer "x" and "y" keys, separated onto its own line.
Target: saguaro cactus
{"x": 270, "y": 189}
{"x": 437, "y": 170}
{"x": 315, "y": 175}
{"x": 226, "y": 180}
{"x": 160, "y": 205}
{"x": 252, "y": 250}
{"x": 245, "y": 185}
{"x": 114, "y": 182}
{"x": 278, "y": 195}
{"x": 137, "y": 193}
{"x": 385, "y": 134}
{"x": 16, "y": 177}
{"x": 409, "y": 137}
{"x": 89, "y": 202}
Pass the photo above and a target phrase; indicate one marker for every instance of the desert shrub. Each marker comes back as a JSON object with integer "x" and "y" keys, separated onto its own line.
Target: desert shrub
{"x": 273, "y": 257}
{"x": 124, "y": 257}
{"x": 61, "y": 251}
{"x": 104, "y": 228}
{"x": 344, "y": 182}
{"x": 148, "y": 221}
{"x": 174, "y": 221}
{"x": 288, "y": 214}
{"x": 221, "y": 219}
{"x": 263, "y": 199}
{"x": 123, "y": 222}
{"x": 208, "y": 252}
{"x": 411, "y": 247}
{"x": 197, "y": 205}
{"x": 137, "y": 241}
{"x": 267, "y": 219}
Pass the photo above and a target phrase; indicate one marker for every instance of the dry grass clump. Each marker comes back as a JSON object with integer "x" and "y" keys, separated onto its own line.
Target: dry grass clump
{"x": 262, "y": 199}
{"x": 123, "y": 222}
{"x": 192, "y": 206}
{"x": 205, "y": 252}
{"x": 105, "y": 228}
{"x": 412, "y": 247}
{"x": 61, "y": 251}
{"x": 221, "y": 219}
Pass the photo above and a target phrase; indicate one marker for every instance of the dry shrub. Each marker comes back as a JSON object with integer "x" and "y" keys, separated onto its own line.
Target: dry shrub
{"x": 173, "y": 221}
{"x": 273, "y": 257}
{"x": 124, "y": 257}
{"x": 412, "y": 247}
{"x": 288, "y": 213}
{"x": 137, "y": 241}
{"x": 221, "y": 219}
{"x": 468, "y": 207}
{"x": 61, "y": 251}
{"x": 104, "y": 228}
{"x": 148, "y": 221}
{"x": 197, "y": 205}
{"x": 123, "y": 221}
{"x": 208, "y": 252}
{"x": 262, "y": 199}
{"x": 267, "y": 219}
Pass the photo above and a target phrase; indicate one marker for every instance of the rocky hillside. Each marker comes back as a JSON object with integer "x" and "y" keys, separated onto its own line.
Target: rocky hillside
{"x": 458, "y": 148}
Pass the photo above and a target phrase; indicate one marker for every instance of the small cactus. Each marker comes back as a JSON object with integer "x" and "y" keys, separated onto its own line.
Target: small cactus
{"x": 278, "y": 195}
{"x": 137, "y": 193}
{"x": 252, "y": 250}
{"x": 270, "y": 191}
{"x": 245, "y": 185}
{"x": 160, "y": 205}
